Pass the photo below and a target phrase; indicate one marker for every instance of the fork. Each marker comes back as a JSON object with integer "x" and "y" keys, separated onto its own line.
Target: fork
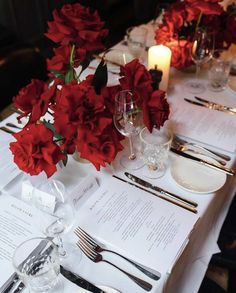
{"x": 220, "y": 155}
{"x": 97, "y": 257}
{"x": 84, "y": 236}
{"x": 184, "y": 148}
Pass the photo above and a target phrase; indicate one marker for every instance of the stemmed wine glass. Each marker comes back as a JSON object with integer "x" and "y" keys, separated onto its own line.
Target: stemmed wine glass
{"x": 58, "y": 213}
{"x": 128, "y": 120}
{"x": 201, "y": 52}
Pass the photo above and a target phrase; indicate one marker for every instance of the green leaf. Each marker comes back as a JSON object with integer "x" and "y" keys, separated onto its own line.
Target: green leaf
{"x": 50, "y": 126}
{"x": 58, "y": 74}
{"x": 100, "y": 77}
{"x": 66, "y": 160}
{"x": 69, "y": 75}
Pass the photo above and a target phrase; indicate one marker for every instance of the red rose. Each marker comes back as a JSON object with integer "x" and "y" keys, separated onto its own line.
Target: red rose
{"x": 163, "y": 34}
{"x": 34, "y": 99}
{"x": 136, "y": 77}
{"x": 156, "y": 111}
{"x": 208, "y": 7}
{"x": 101, "y": 149}
{"x": 78, "y": 105}
{"x": 61, "y": 60}
{"x": 34, "y": 151}
{"x": 180, "y": 57}
{"x": 76, "y": 24}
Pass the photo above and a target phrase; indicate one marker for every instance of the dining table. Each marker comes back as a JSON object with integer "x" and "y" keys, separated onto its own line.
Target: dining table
{"x": 193, "y": 123}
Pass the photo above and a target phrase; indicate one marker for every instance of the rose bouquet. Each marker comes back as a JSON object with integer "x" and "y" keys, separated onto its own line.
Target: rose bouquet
{"x": 81, "y": 110}
{"x": 182, "y": 18}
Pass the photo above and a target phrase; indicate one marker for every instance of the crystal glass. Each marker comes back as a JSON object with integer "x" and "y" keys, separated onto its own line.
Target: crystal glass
{"x": 201, "y": 52}
{"x": 136, "y": 41}
{"x": 219, "y": 70}
{"x": 58, "y": 219}
{"x": 155, "y": 150}
{"x": 128, "y": 120}
{"x": 38, "y": 269}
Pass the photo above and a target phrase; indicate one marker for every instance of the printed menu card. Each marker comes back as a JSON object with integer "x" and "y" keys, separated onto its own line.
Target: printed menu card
{"x": 137, "y": 224}
{"x": 17, "y": 223}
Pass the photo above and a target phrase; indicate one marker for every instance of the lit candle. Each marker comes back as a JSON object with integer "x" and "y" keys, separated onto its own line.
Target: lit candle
{"x": 160, "y": 56}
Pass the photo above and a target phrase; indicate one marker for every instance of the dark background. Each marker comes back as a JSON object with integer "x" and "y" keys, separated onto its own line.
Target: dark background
{"x": 24, "y": 48}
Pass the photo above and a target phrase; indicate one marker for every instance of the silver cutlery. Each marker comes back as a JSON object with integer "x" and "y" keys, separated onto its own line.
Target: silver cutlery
{"x": 210, "y": 106}
{"x": 169, "y": 199}
{"x": 99, "y": 248}
{"x": 203, "y": 162}
{"x": 158, "y": 189}
{"x": 182, "y": 141}
{"x": 185, "y": 148}
{"x": 97, "y": 257}
{"x": 213, "y": 104}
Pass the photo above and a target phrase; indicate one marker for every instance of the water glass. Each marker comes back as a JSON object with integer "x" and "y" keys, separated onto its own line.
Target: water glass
{"x": 155, "y": 150}
{"x": 218, "y": 74}
{"x": 36, "y": 261}
{"x": 136, "y": 40}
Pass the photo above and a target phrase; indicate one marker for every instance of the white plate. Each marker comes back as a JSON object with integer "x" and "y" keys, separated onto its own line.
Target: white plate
{"x": 195, "y": 177}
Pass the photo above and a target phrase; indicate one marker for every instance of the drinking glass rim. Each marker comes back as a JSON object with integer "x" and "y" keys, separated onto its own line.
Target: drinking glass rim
{"x": 169, "y": 134}
{"x": 23, "y": 243}
{"x": 135, "y": 94}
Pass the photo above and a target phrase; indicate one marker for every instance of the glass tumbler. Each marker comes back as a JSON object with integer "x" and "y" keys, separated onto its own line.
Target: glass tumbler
{"x": 36, "y": 261}
{"x": 218, "y": 73}
{"x": 155, "y": 151}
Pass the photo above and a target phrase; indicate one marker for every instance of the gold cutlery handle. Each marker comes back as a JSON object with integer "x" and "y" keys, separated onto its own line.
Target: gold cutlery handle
{"x": 219, "y": 168}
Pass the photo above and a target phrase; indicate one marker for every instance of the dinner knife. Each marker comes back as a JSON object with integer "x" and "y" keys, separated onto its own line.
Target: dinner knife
{"x": 79, "y": 281}
{"x": 158, "y": 189}
{"x": 208, "y": 106}
{"x": 231, "y": 109}
{"x": 203, "y": 162}
{"x": 169, "y": 199}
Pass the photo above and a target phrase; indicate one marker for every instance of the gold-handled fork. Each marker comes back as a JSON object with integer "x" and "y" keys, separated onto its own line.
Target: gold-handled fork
{"x": 85, "y": 237}
{"x": 182, "y": 142}
{"x": 97, "y": 257}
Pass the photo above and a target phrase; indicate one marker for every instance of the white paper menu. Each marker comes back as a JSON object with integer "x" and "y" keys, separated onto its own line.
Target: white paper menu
{"x": 16, "y": 225}
{"x": 137, "y": 224}
{"x": 208, "y": 126}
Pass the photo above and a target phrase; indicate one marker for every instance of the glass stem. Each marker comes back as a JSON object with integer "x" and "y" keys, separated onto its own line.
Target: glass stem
{"x": 132, "y": 155}
{"x": 61, "y": 249}
{"x": 197, "y": 70}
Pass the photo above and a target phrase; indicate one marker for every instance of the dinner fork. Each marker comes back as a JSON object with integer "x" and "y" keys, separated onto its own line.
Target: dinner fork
{"x": 184, "y": 148}
{"x": 97, "y": 257}
{"x": 84, "y": 236}
{"x": 220, "y": 155}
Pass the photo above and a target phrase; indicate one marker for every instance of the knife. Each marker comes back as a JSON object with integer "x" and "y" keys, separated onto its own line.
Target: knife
{"x": 158, "y": 189}
{"x": 203, "y": 162}
{"x": 208, "y": 106}
{"x": 231, "y": 109}
{"x": 79, "y": 281}
{"x": 169, "y": 199}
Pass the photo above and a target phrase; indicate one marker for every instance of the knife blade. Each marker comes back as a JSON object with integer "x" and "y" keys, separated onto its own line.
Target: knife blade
{"x": 158, "y": 189}
{"x": 231, "y": 109}
{"x": 169, "y": 199}
{"x": 203, "y": 162}
{"x": 79, "y": 281}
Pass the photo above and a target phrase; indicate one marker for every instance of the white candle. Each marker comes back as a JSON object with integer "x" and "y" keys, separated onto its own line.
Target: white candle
{"x": 159, "y": 56}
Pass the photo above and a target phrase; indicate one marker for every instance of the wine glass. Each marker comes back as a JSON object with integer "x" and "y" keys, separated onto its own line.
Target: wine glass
{"x": 36, "y": 261}
{"x": 50, "y": 197}
{"x": 201, "y": 52}
{"x": 128, "y": 121}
